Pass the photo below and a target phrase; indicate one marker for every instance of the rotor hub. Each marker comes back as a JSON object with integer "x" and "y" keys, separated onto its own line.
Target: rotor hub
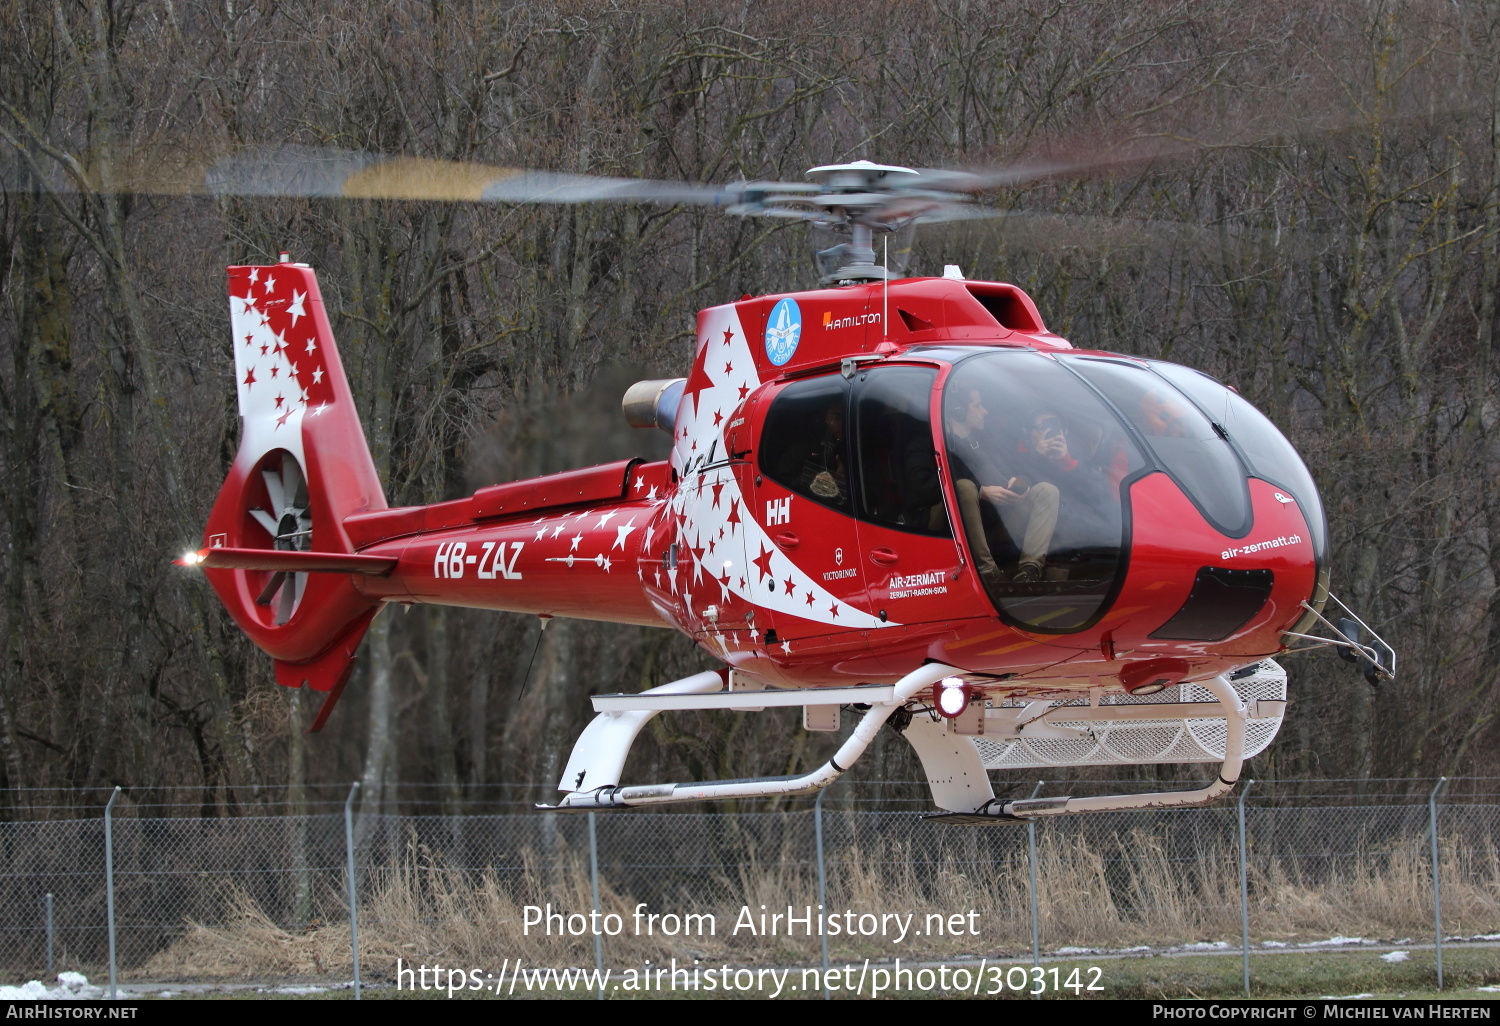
{"x": 289, "y": 534}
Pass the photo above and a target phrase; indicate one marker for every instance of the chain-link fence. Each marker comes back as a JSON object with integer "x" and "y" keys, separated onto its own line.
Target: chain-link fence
{"x": 159, "y": 891}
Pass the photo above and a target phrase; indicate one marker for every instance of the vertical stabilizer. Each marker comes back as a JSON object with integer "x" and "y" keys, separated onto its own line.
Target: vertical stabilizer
{"x": 303, "y": 465}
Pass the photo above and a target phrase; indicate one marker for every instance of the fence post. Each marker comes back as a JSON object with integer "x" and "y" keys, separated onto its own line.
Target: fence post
{"x": 1031, "y": 861}
{"x": 109, "y": 882}
{"x": 50, "y": 966}
{"x": 594, "y": 878}
{"x": 1437, "y": 894}
{"x": 349, "y": 872}
{"x": 822, "y": 888}
{"x": 1245, "y": 890}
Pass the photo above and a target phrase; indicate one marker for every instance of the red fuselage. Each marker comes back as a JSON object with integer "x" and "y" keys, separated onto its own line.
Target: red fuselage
{"x": 795, "y": 534}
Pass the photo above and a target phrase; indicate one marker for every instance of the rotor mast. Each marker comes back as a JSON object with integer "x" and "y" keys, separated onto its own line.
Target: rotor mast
{"x": 855, "y": 198}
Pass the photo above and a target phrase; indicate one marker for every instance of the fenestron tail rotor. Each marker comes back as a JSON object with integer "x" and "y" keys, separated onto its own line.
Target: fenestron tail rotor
{"x": 289, "y": 523}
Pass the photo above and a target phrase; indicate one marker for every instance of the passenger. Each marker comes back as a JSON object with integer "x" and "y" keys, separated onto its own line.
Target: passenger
{"x": 818, "y": 468}
{"x": 1028, "y": 511}
{"x": 1087, "y": 503}
{"x": 1161, "y": 416}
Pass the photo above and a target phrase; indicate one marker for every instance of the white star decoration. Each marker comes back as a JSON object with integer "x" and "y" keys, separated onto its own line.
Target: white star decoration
{"x": 725, "y": 357}
{"x": 272, "y": 396}
{"x": 621, "y": 533}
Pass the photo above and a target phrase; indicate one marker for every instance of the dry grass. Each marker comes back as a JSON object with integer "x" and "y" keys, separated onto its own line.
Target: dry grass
{"x": 420, "y": 911}
{"x": 250, "y": 944}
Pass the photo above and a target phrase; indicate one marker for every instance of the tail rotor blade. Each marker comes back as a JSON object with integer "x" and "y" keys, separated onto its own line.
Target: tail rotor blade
{"x": 265, "y": 520}
{"x": 272, "y": 586}
{"x": 277, "y": 493}
{"x": 288, "y": 600}
{"x": 293, "y": 484}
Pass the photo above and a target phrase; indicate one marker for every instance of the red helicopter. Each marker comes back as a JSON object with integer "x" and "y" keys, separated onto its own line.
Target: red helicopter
{"x": 906, "y": 496}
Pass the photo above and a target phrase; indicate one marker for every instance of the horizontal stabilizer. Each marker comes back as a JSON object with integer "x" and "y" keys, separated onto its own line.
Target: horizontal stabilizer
{"x": 289, "y": 561}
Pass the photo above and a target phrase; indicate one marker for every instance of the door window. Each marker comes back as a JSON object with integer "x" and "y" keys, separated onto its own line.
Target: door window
{"x": 804, "y": 445}
{"x": 898, "y": 484}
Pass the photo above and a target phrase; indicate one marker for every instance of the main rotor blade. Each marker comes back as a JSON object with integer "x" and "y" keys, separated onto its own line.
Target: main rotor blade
{"x": 1022, "y": 172}
{"x": 313, "y": 172}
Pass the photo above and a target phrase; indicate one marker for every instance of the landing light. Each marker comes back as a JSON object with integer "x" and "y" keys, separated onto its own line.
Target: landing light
{"x": 951, "y": 696}
{"x": 190, "y": 559}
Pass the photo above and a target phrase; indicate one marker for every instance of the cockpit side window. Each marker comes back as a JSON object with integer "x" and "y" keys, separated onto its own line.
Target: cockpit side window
{"x": 898, "y": 471}
{"x": 804, "y": 445}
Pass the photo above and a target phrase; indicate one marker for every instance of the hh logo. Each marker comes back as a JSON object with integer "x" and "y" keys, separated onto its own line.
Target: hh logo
{"x": 778, "y": 511}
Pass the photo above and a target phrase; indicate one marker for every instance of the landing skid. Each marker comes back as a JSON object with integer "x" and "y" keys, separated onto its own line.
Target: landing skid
{"x": 956, "y": 772}
{"x": 601, "y": 750}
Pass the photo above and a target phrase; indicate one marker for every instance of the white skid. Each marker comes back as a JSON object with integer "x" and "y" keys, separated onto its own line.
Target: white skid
{"x": 853, "y": 747}
{"x": 1230, "y": 706}
{"x": 1235, "y": 715}
{"x": 656, "y": 700}
{"x": 600, "y": 751}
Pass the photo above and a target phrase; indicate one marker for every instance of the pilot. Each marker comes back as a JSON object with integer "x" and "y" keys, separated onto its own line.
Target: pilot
{"x": 1028, "y": 511}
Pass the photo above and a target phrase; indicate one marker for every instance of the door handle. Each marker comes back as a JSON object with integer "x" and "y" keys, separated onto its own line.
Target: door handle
{"x": 885, "y": 557}
{"x": 786, "y": 539}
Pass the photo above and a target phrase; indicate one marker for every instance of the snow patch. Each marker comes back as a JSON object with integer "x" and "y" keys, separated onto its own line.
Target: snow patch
{"x": 1205, "y": 946}
{"x": 1333, "y": 942}
{"x": 1396, "y": 956}
{"x": 70, "y": 987}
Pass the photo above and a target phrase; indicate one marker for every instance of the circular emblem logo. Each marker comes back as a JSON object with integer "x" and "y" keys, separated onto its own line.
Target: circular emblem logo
{"x": 783, "y": 331}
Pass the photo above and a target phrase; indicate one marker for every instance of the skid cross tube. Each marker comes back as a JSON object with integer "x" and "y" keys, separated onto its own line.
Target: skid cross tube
{"x": 757, "y": 787}
{"x": 1235, "y": 716}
